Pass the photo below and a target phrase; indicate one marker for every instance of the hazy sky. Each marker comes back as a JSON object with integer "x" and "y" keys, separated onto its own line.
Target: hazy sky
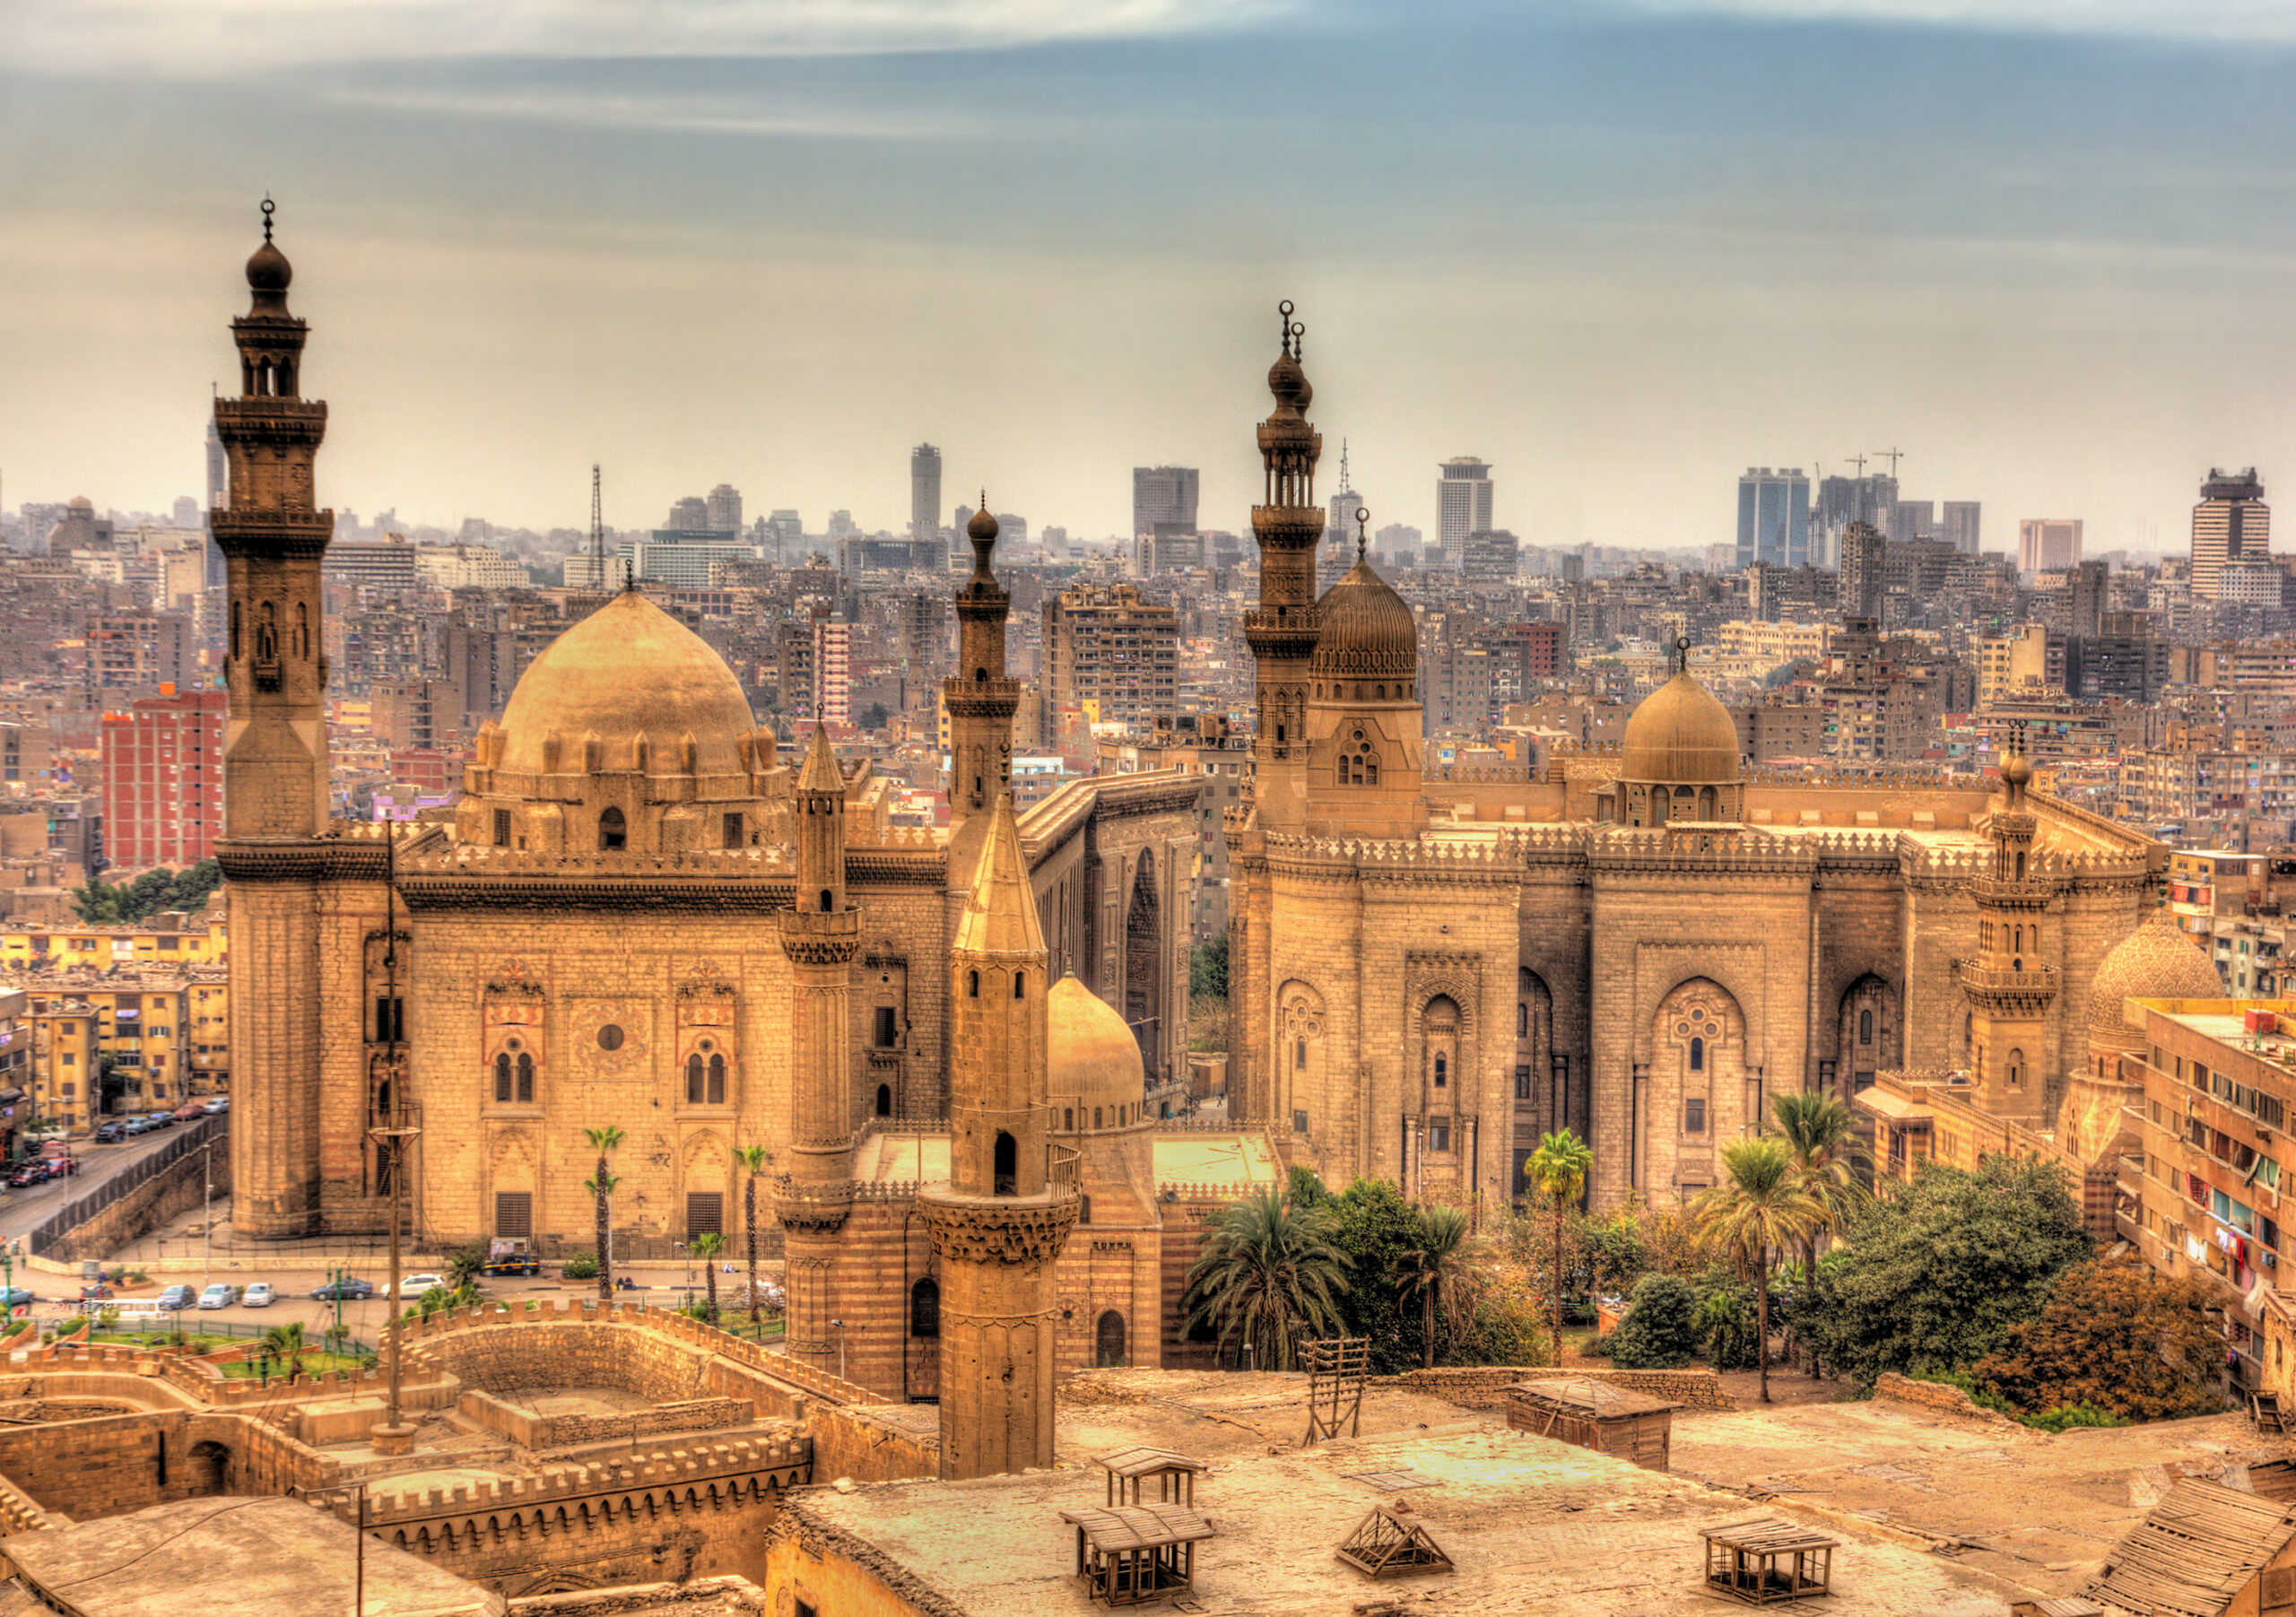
{"x": 1620, "y": 250}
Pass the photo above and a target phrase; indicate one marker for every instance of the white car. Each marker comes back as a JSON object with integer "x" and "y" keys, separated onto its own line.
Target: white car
{"x": 415, "y": 1285}
{"x": 258, "y": 1296}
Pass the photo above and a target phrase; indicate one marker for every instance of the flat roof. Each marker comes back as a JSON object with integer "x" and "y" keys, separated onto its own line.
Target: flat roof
{"x": 1239, "y": 1159}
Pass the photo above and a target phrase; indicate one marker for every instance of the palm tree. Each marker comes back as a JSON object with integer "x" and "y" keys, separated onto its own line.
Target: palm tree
{"x": 1757, "y": 1210}
{"x": 1560, "y": 1165}
{"x": 1437, "y": 1268}
{"x": 603, "y": 1141}
{"x": 285, "y": 1343}
{"x": 708, "y": 1247}
{"x": 751, "y": 1157}
{"x": 1265, "y": 1277}
{"x": 1828, "y": 1155}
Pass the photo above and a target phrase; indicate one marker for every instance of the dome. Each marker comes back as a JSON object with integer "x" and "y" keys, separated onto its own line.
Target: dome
{"x": 81, "y": 505}
{"x": 628, "y": 670}
{"x": 2155, "y": 961}
{"x": 1368, "y": 632}
{"x": 1680, "y": 735}
{"x": 983, "y": 526}
{"x": 1091, "y": 1057}
{"x": 268, "y": 270}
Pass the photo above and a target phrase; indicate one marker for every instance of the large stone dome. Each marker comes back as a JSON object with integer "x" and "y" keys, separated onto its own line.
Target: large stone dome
{"x": 1680, "y": 735}
{"x": 1368, "y": 632}
{"x": 1091, "y": 1057}
{"x": 2155, "y": 961}
{"x": 628, "y": 670}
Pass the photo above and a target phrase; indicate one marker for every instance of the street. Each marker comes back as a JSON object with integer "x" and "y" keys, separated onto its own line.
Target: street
{"x": 20, "y": 1210}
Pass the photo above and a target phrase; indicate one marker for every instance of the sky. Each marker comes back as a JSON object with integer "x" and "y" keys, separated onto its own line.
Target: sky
{"x": 1621, "y": 249}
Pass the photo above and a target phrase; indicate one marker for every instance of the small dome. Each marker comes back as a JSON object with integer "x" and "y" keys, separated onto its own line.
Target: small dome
{"x": 81, "y": 505}
{"x": 1368, "y": 632}
{"x": 1091, "y": 1057}
{"x": 268, "y": 270}
{"x": 628, "y": 671}
{"x": 2155, "y": 961}
{"x": 983, "y": 524}
{"x": 1289, "y": 382}
{"x": 1680, "y": 735}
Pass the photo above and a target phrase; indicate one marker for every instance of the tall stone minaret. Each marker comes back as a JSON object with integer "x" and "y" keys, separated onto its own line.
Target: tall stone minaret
{"x": 981, "y": 700}
{"x": 1012, "y": 1196}
{"x": 273, "y": 535}
{"x": 819, "y": 935}
{"x": 1282, "y": 628}
{"x": 2010, "y": 988}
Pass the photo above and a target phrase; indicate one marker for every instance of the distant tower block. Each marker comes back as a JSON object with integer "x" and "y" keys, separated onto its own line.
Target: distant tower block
{"x": 1013, "y": 1196}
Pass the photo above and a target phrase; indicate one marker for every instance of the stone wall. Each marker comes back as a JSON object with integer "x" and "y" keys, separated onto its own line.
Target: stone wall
{"x": 169, "y": 1193}
{"x": 531, "y": 1430}
{"x": 1692, "y": 1388}
{"x": 1893, "y": 1388}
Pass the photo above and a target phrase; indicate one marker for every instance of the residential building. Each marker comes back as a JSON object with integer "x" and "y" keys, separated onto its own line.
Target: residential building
{"x": 833, "y": 671}
{"x": 2047, "y": 544}
{"x": 721, "y": 510}
{"x": 1163, "y": 499}
{"x": 1864, "y": 552}
{"x": 63, "y": 1061}
{"x": 1773, "y": 518}
{"x": 1491, "y": 556}
{"x": 388, "y": 565}
{"x": 417, "y": 713}
{"x": 163, "y": 779}
{"x": 1960, "y": 524}
{"x": 1107, "y": 651}
{"x": 1463, "y": 491}
{"x": 139, "y": 651}
{"x": 2232, "y": 522}
{"x": 2028, "y": 664}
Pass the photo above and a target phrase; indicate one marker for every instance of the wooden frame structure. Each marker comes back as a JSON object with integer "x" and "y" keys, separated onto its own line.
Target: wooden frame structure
{"x": 2264, "y": 1409}
{"x": 1335, "y": 1367}
{"x": 1590, "y": 1414}
{"x": 1132, "y": 1554}
{"x": 1130, "y": 1469}
{"x": 1743, "y": 1561}
{"x": 1384, "y": 1544}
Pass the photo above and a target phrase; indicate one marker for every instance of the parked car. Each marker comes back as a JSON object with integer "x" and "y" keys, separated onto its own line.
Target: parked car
{"x": 161, "y": 1119}
{"x": 219, "y": 1105}
{"x": 59, "y": 1163}
{"x": 34, "y": 1172}
{"x": 258, "y": 1296}
{"x": 219, "y": 1296}
{"x": 349, "y": 1290}
{"x": 178, "y": 1297}
{"x": 136, "y": 1125}
{"x": 415, "y": 1285}
{"x": 110, "y": 1134}
{"x": 12, "y": 1298}
{"x": 512, "y": 1255}
{"x": 191, "y": 1110}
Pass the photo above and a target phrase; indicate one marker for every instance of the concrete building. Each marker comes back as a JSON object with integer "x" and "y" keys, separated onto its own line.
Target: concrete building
{"x": 1490, "y": 557}
{"x": 2230, "y": 524}
{"x": 2047, "y": 544}
{"x": 1107, "y": 651}
{"x": 1960, "y": 524}
{"x": 1463, "y": 491}
{"x": 1773, "y": 518}
{"x": 1163, "y": 499}
{"x": 163, "y": 780}
{"x": 924, "y": 494}
{"x": 721, "y": 510}
{"x": 1863, "y": 557}
{"x": 2021, "y": 666}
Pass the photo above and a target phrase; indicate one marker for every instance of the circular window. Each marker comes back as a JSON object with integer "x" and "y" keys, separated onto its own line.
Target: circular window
{"x": 1682, "y": 1027}
{"x": 514, "y": 1044}
{"x": 1359, "y": 735}
{"x": 609, "y": 1036}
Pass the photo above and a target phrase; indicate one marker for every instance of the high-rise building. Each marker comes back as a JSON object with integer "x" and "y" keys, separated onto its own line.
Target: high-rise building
{"x": 1910, "y": 520}
{"x": 1959, "y": 526}
{"x": 1773, "y": 518}
{"x": 1842, "y": 501}
{"x": 1163, "y": 496}
{"x": 2047, "y": 544}
{"x": 1862, "y": 552}
{"x": 2232, "y": 522}
{"x": 2087, "y": 586}
{"x": 1462, "y": 505}
{"x": 833, "y": 670}
{"x": 722, "y": 509}
{"x": 1106, "y": 647}
{"x": 1490, "y": 557}
{"x": 163, "y": 779}
{"x": 787, "y": 533}
{"x": 924, "y": 494}
{"x": 690, "y": 515}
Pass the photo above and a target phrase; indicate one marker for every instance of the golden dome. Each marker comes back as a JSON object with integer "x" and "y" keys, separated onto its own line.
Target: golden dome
{"x": 2155, "y": 961}
{"x": 1091, "y": 1055}
{"x": 1368, "y": 632}
{"x": 1680, "y": 735}
{"x": 629, "y": 672}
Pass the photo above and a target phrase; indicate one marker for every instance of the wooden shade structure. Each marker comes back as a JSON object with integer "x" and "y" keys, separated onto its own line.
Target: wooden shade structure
{"x": 1335, "y": 1367}
{"x": 1131, "y": 1470}
{"x": 1384, "y": 1545}
{"x": 1131, "y": 1554}
{"x": 1766, "y": 1561}
{"x": 1590, "y": 1414}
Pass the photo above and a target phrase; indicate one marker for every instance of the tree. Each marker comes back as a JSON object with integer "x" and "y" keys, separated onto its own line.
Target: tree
{"x": 285, "y": 1343}
{"x": 708, "y": 1246}
{"x": 189, "y": 889}
{"x": 1661, "y": 1330}
{"x": 1560, "y": 1165}
{"x": 603, "y": 1141}
{"x": 1437, "y": 1268}
{"x": 753, "y": 1158}
{"x": 2116, "y": 1336}
{"x": 1207, "y": 968}
{"x": 1829, "y": 1160}
{"x": 1757, "y": 1210}
{"x": 1935, "y": 1273}
{"x": 1372, "y": 1227}
{"x": 1267, "y": 1277}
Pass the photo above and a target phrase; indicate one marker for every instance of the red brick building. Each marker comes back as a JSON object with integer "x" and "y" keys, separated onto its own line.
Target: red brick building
{"x": 163, "y": 779}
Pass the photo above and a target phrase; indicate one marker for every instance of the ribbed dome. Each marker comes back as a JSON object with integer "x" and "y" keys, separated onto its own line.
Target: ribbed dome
{"x": 1368, "y": 632}
{"x": 2155, "y": 961}
{"x": 1090, "y": 1054}
{"x": 629, "y": 669}
{"x": 1680, "y": 735}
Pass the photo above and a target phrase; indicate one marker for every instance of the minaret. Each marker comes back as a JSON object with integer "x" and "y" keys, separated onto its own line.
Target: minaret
{"x": 2009, "y": 990}
{"x": 273, "y": 535}
{"x": 1012, "y": 1194}
{"x": 819, "y": 935}
{"x": 1282, "y": 628}
{"x": 981, "y": 701}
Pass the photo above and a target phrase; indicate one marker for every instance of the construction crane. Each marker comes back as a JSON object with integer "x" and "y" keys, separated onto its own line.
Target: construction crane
{"x": 1892, "y": 457}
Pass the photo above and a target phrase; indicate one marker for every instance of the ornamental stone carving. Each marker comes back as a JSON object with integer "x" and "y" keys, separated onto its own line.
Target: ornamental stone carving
{"x": 1001, "y": 1230}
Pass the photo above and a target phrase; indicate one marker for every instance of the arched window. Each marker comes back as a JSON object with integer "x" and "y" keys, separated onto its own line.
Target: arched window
{"x": 1522, "y": 1019}
{"x": 613, "y": 831}
{"x": 1865, "y": 1026}
{"x": 302, "y": 630}
{"x": 1108, "y": 1342}
{"x": 502, "y": 1079}
{"x": 2020, "y": 867}
{"x": 1657, "y": 808}
{"x": 1020, "y": 985}
{"x": 1299, "y": 1054}
{"x": 1008, "y": 1165}
{"x": 1698, "y": 1054}
{"x": 1068, "y": 1119}
{"x": 981, "y": 677}
{"x": 1442, "y": 1070}
{"x": 235, "y": 631}
{"x": 924, "y": 1307}
{"x": 973, "y": 985}
{"x": 1371, "y": 771}
{"x": 885, "y": 1100}
{"x": 2016, "y": 1069}
{"x": 1084, "y": 1209}
{"x": 1706, "y": 802}
{"x": 717, "y": 1081}
{"x": 827, "y": 901}
{"x": 525, "y": 1079}
{"x": 694, "y": 1080}
{"x": 1096, "y": 1117}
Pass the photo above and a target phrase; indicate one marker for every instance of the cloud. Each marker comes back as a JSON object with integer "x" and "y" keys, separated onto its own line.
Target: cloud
{"x": 204, "y": 37}
{"x": 2271, "y": 21}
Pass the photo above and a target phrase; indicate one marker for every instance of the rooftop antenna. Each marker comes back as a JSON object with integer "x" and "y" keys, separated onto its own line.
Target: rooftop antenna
{"x": 597, "y": 530}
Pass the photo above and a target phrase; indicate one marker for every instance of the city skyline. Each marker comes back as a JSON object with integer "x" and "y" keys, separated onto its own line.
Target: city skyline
{"x": 783, "y": 269}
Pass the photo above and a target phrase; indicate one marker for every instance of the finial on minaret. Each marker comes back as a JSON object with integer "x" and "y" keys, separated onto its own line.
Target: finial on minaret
{"x": 1362, "y": 514}
{"x": 1681, "y": 654}
{"x": 269, "y": 208}
{"x": 629, "y": 575}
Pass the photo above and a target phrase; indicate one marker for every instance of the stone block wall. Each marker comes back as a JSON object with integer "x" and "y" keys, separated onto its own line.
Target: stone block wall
{"x": 1893, "y": 1388}
{"x": 1692, "y": 1388}
{"x": 175, "y": 1190}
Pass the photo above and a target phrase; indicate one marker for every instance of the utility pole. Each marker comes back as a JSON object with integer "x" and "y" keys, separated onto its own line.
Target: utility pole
{"x": 207, "y": 1204}
{"x": 396, "y": 1435}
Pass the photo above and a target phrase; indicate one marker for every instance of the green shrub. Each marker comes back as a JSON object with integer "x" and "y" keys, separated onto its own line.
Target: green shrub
{"x": 1661, "y": 1329}
{"x": 581, "y": 1265}
{"x": 1600, "y": 1346}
